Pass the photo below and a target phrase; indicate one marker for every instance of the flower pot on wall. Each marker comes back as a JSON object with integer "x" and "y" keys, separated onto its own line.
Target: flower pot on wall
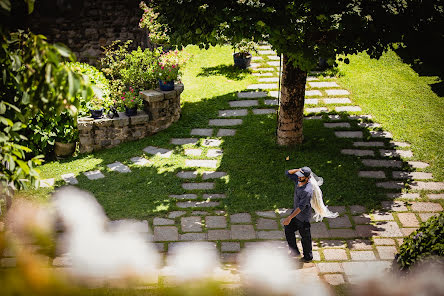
{"x": 96, "y": 114}
{"x": 242, "y": 61}
{"x": 166, "y": 85}
{"x": 130, "y": 111}
{"x": 64, "y": 149}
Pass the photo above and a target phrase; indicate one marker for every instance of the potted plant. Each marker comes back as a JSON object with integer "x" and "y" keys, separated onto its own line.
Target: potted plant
{"x": 242, "y": 53}
{"x": 66, "y": 135}
{"x": 130, "y": 100}
{"x": 168, "y": 68}
{"x": 95, "y": 106}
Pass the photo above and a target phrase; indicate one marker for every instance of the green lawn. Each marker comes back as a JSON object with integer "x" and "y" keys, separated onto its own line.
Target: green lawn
{"x": 254, "y": 163}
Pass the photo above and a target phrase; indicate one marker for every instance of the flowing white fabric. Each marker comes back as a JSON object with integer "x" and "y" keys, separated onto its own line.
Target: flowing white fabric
{"x": 317, "y": 203}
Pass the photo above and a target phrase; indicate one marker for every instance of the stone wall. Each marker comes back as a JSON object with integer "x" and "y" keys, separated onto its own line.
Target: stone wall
{"x": 87, "y": 25}
{"x": 161, "y": 109}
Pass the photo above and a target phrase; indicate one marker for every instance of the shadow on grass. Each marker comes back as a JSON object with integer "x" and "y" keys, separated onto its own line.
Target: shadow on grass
{"x": 229, "y": 71}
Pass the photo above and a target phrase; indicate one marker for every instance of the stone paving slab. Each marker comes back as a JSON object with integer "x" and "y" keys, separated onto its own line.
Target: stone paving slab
{"x": 391, "y": 185}
{"x": 256, "y": 58}
{"x": 408, "y": 220}
{"x": 213, "y": 175}
{"x": 386, "y": 252}
{"x": 199, "y": 213}
{"x": 270, "y": 79}
{"x": 263, "y": 74}
{"x": 357, "y": 209}
{"x": 219, "y": 234}
{"x": 176, "y": 214}
{"x": 266, "y": 52}
{"x": 316, "y": 110}
{"x": 187, "y": 174}
{"x": 184, "y": 141}
{"x": 359, "y": 244}
{"x": 266, "y": 224}
{"x": 397, "y": 206}
{"x": 198, "y": 186}
{"x": 263, "y": 86}
{"x": 213, "y": 195}
{"x": 183, "y": 196}
{"x": 329, "y": 267}
{"x": 387, "y": 229}
{"x": 233, "y": 113}
{"x": 273, "y": 234}
{"x": 211, "y": 142}
{"x": 311, "y": 93}
{"x": 274, "y": 64}
{"x": 191, "y": 224}
{"x": 403, "y": 195}
{"x": 263, "y": 111}
{"x": 382, "y": 216}
{"x": 94, "y": 175}
{"x": 273, "y": 93}
{"x": 251, "y": 95}
{"x": 336, "y": 124}
{"x": 382, "y": 163}
{"x": 360, "y": 117}
{"x": 372, "y": 174}
{"x": 197, "y": 204}
{"x": 339, "y": 222}
{"x": 223, "y": 132}
{"x": 225, "y": 122}
{"x": 265, "y": 69}
{"x": 334, "y": 279}
{"x": 349, "y": 134}
{"x": 254, "y": 65}
{"x": 426, "y": 207}
{"x": 242, "y": 232}
{"x": 205, "y": 132}
{"x": 193, "y": 236}
{"x": 426, "y": 216}
{"x": 311, "y": 101}
{"x": 368, "y": 144}
{"x": 193, "y": 152}
{"x": 214, "y": 152}
{"x": 141, "y": 161}
{"x": 70, "y": 178}
{"x": 419, "y": 185}
{"x": 201, "y": 163}
{"x": 46, "y": 183}
{"x": 334, "y": 117}
{"x": 418, "y": 164}
{"x": 435, "y": 196}
{"x": 230, "y": 247}
{"x": 319, "y": 230}
{"x": 361, "y": 219}
{"x": 399, "y": 144}
{"x": 271, "y": 102}
{"x": 369, "y": 124}
{"x": 384, "y": 241}
{"x": 240, "y": 218}
{"x": 358, "y": 152}
{"x": 166, "y": 233}
{"x": 358, "y": 268}
{"x": 313, "y": 118}
{"x": 348, "y": 109}
{"x": 412, "y": 175}
{"x": 362, "y": 255}
{"x": 266, "y": 214}
{"x": 342, "y": 233}
{"x": 119, "y": 167}
{"x": 273, "y": 57}
{"x": 215, "y": 222}
{"x": 244, "y": 103}
{"x": 381, "y": 134}
{"x": 396, "y": 153}
{"x": 335, "y": 255}
{"x": 337, "y": 101}
{"x": 162, "y": 221}
{"x": 158, "y": 151}
{"x": 323, "y": 84}
{"x": 337, "y": 92}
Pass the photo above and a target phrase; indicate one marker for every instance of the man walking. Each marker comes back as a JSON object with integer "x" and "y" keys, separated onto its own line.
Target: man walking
{"x": 299, "y": 219}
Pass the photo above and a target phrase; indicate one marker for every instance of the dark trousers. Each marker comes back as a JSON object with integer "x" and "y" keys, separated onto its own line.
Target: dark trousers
{"x": 304, "y": 231}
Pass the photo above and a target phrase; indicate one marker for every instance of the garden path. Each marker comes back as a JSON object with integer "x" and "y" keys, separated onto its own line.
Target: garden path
{"x": 343, "y": 246}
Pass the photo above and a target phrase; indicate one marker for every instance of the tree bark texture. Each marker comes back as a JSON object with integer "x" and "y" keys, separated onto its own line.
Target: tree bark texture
{"x": 291, "y": 110}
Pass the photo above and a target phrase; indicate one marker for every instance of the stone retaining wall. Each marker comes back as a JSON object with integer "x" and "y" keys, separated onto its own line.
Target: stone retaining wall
{"x": 161, "y": 109}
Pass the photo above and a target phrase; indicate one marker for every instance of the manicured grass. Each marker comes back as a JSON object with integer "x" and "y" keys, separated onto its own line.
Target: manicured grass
{"x": 254, "y": 163}
{"x": 402, "y": 101}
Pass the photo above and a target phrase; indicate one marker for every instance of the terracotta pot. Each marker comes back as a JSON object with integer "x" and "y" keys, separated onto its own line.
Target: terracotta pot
{"x": 64, "y": 149}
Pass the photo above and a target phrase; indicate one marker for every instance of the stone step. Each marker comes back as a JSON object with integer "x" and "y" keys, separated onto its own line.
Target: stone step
{"x": 273, "y": 57}
{"x": 358, "y": 152}
{"x": 311, "y": 101}
{"x": 183, "y": 196}
{"x": 119, "y": 167}
{"x": 382, "y": 163}
{"x": 271, "y": 79}
{"x": 266, "y": 52}
{"x": 158, "y": 151}
{"x": 274, "y": 63}
{"x": 184, "y": 141}
{"x": 263, "y": 111}
{"x": 334, "y": 117}
{"x": 233, "y": 113}
{"x": 211, "y": 142}
{"x": 224, "y": 132}
{"x": 323, "y": 84}
{"x": 337, "y": 92}
{"x": 316, "y": 110}
{"x": 197, "y": 204}
{"x": 337, "y": 101}
{"x": 94, "y": 175}
{"x": 418, "y": 164}
{"x": 256, "y": 58}
{"x": 336, "y": 124}
{"x": 391, "y": 185}
{"x": 198, "y": 186}
{"x": 318, "y": 117}
{"x": 162, "y": 221}
{"x": 381, "y": 134}
{"x": 213, "y": 196}
{"x": 403, "y": 195}
{"x": 263, "y": 74}
{"x": 46, "y": 183}
{"x": 399, "y": 144}
{"x": 225, "y": 122}
{"x": 203, "y": 163}
{"x": 368, "y": 144}
{"x": 265, "y": 47}
{"x": 187, "y": 174}
{"x": 271, "y": 102}
{"x": 214, "y": 152}
{"x": 193, "y": 152}
{"x": 412, "y": 175}
{"x": 254, "y": 65}
{"x": 349, "y": 134}
{"x": 204, "y": 132}
{"x": 360, "y": 117}
{"x": 348, "y": 109}
{"x": 311, "y": 93}
{"x": 265, "y": 69}
{"x": 70, "y": 178}
{"x": 251, "y": 94}
{"x": 369, "y": 124}
{"x": 396, "y": 153}
{"x": 418, "y": 185}
{"x": 243, "y": 103}
{"x": 141, "y": 161}
{"x": 372, "y": 174}
{"x": 213, "y": 175}
{"x": 263, "y": 86}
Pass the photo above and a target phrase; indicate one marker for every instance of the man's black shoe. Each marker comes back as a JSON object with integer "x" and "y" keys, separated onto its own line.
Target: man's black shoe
{"x": 306, "y": 259}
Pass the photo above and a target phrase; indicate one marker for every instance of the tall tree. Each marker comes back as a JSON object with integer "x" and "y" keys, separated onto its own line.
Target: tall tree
{"x": 303, "y": 31}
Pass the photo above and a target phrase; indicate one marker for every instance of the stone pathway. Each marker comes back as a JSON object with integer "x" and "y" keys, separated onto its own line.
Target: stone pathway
{"x": 343, "y": 246}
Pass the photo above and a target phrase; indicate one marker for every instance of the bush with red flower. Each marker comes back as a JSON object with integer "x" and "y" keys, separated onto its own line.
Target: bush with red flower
{"x": 170, "y": 64}
{"x": 129, "y": 98}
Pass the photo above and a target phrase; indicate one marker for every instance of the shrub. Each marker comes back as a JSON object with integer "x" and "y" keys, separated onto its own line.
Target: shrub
{"x": 157, "y": 32}
{"x": 130, "y": 98}
{"x": 425, "y": 242}
{"x": 169, "y": 65}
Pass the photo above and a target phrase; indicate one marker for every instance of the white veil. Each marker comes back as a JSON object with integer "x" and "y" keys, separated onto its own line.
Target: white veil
{"x": 317, "y": 203}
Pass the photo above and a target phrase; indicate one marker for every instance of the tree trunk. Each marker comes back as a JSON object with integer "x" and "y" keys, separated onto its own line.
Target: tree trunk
{"x": 291, "y": 112}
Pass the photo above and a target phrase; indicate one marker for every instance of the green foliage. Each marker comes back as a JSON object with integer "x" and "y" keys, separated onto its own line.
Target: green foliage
{"x": 169, "y": 66}
{"x": 245, "y": 47}
{"x": 130, "y": 98}
{"x": 427, "y": 241}
{"x": 157, "y": 32}
{"x": 34, "y": 81}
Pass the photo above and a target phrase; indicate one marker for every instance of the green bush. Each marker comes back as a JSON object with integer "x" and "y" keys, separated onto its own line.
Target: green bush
{"x": 427, "y": 241}
{"x": 139, "y": 68}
